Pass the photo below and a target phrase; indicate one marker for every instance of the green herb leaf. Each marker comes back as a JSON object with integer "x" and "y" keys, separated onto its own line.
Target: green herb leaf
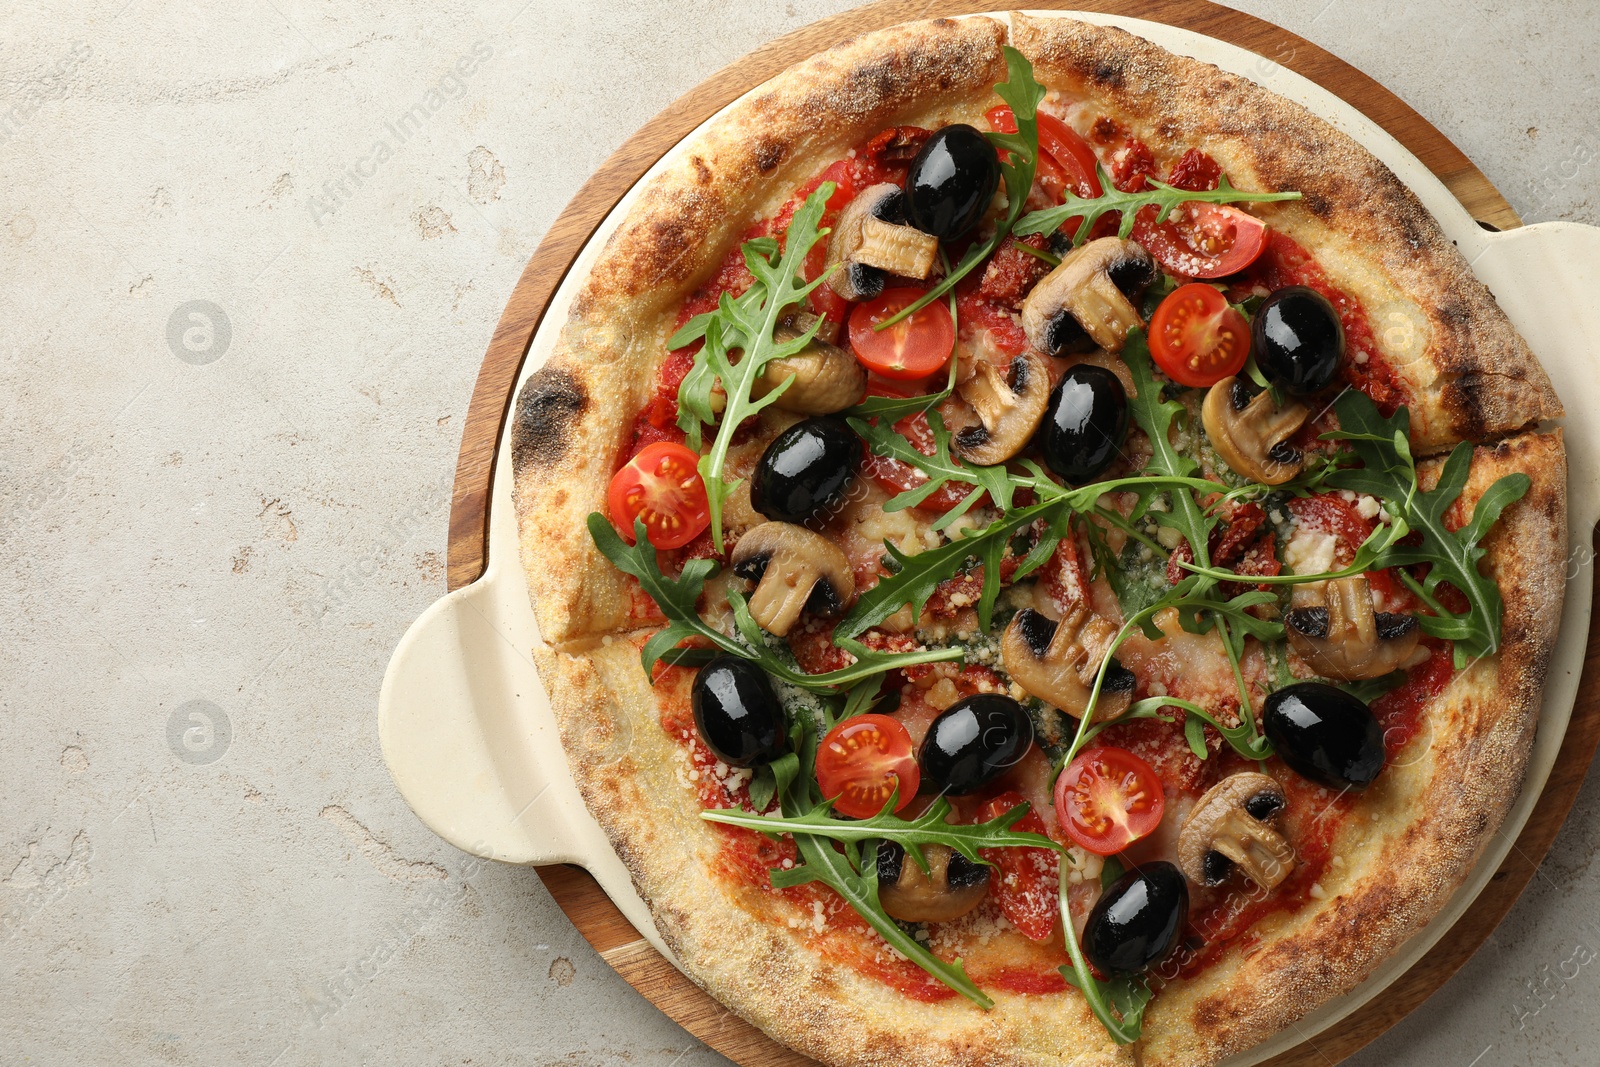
{"x": 1390, "y": 473}
{"x": 941, "y": 469}
{"x": 1110, "y": 870}
{"x": 1156, "y": 418}
{"x": 1118, "y": 1003}
{"x": 1244, "y": 738}
{"x": 848, "y": 868}
{"x": 892, "y": 409}
{"x": 1157, "y": 194}
{"x": 853, "y": 874}
{"x": 929, "y": 828}
{"x": 763, "y": 786}
{"x": 1370, "y": 689}
{"x": 863, "y": 697}
{"x": 678, "y": 599}
{"x": 745, "y": 325}
{"x": 917, "y": 576}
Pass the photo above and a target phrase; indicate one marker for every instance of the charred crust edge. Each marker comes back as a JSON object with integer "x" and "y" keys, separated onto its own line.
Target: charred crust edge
{"x": 545, "y": 416}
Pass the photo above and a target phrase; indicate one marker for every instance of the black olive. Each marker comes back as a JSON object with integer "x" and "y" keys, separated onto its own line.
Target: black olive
{"x": 1298, "y": 340}
{"x": 972, "y": 742}
{"x": 737, "y": 712}
{"x": 1324, "y": 734}
{"x": 805, "y": 470}
{"x": 1085, "y": 423}
{"x": 951, "y": 181}
{"x": 1137, "y": 921}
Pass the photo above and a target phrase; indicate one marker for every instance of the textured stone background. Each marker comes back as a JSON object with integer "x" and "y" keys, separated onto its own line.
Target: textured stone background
{"x": 251, "y": 517}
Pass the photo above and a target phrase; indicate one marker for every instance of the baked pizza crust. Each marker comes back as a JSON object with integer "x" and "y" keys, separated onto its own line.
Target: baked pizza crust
{"x": 1475, "y": 379}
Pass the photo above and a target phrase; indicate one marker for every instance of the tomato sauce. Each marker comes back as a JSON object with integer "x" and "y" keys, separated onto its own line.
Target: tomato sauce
{"x": 1399, "y": 711}
{"x": 1222, "y": 917}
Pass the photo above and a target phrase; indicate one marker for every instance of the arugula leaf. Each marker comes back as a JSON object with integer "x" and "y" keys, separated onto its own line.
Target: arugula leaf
{"x": 1156, "y": 418}
{"x": 1157, "y": 194}
{"x": 853, "y": 874}
{"x": 764, "y": 784}
{"x": 1390, "y": 473}
{"x": 1236, "y": 611}
{"x": 1131, "y": 578}
{"x": 1118, "y": 1003}
{"x": 1369, "y": 556}
{"x": 1023, "y": 93}
{"x": 929, "y": 828}
{"x": 863, "y": 697}
{"x": 851, "y": 870}
{"x": 941, "y": 468}
{"x": 891, "y": 409}
{"x": 917, "y": 576}
{"x": 678, "y": 599}
{"x": 745, "y": 325}
{"x": 1244, "y": 738}
{"x": 1370, "y": 689}
{"x": 1000, "y": 482}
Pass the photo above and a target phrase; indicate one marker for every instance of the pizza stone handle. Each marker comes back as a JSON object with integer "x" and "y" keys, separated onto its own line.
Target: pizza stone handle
{"x": 1547, "y": 278}
{"x": 468, "y": 735}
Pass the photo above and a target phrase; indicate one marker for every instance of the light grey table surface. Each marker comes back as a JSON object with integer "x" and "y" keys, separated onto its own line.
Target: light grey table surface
{"x": 247, "y": 508}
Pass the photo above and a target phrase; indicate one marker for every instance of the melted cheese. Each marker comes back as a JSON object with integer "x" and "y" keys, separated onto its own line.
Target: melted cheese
{"x": 1192, "y": 666}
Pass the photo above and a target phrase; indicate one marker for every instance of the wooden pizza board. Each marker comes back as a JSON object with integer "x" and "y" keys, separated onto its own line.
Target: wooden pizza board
{"x": 584, "y": 902}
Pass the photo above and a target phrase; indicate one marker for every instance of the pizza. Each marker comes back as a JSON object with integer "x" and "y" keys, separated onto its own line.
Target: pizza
{"x": 1043, "y": 550}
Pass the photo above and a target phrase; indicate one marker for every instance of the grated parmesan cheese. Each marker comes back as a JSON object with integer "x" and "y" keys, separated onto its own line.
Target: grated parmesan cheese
{"x": 1309, "y": 551}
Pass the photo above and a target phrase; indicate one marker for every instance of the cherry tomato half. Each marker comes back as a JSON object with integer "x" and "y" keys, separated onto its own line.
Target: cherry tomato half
{"x": 1200, "y": 240}
{"x": 862, "y": 761}
{"x": 662, "y": 486}
{"x": 1064, "y": 144}
{"x": 1197, "y": 338}
{"x": 1025, "y": 887}
{"x": 1108, "y": 798}
{"x": 918, "y": 345}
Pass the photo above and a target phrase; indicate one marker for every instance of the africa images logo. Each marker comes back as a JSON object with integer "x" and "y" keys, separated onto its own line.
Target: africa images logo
{"x": 338, "y": 191}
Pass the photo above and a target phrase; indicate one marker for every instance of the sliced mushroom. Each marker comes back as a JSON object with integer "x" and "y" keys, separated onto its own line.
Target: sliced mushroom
{"x": 794, "y": 569}
{"x": 1057, "y": 662}
{"x": 1009, "y": 404}
{"x": 801, "y": 321}
{"x": 870, "y": 239}
{"x": 1336, "y": 631}
{"x": 1087, "y": 301}
{"x": 1230, "y": 827}
{"x": 1252, "y": 433}
{"x": 826, "y": 377}
{"x": 951, "y": 886}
